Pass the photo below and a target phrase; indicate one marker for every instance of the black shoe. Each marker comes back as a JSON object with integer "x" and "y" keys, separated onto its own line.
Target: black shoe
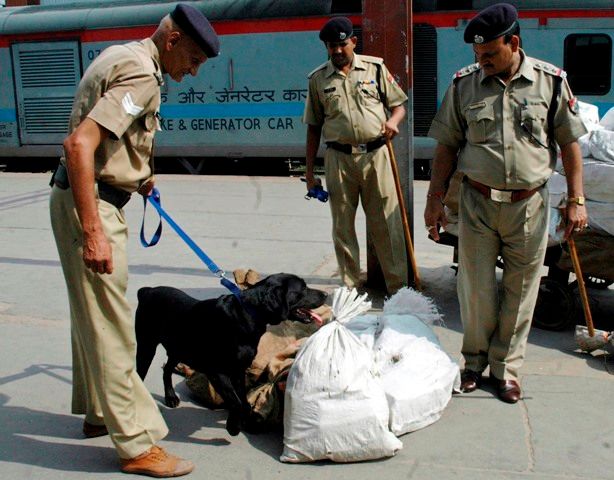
{"x": 470, "y": 381}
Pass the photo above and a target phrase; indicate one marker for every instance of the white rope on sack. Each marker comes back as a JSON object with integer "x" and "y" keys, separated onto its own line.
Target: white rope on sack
{"x": 348, "y": 304}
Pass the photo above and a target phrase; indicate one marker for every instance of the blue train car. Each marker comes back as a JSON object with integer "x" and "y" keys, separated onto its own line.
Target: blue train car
{"x": 248, "y": 102}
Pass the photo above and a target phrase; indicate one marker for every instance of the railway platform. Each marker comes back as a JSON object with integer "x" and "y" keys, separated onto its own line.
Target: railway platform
{"x": 562, "y": 429}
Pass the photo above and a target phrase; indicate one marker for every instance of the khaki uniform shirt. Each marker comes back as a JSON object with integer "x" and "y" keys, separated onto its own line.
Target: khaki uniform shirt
{"x": 349, "y": 107}
{"x": 121, "y": 92}
{"x": 483, "y": 117}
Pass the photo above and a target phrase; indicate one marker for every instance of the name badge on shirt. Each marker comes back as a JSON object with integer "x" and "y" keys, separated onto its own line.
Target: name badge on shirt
{"x": 330, "y": 90}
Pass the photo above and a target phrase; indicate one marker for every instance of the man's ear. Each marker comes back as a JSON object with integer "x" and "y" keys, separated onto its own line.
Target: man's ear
{"x": 515, "y": 43}
{"x": 173, "y": 40}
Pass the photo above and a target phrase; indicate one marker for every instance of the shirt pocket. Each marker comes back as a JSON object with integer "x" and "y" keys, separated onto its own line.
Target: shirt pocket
{"x": 533, "y": 119}
{"x": 480, "y": 122}
{"x": 368, "y": 95}
{"x": 332, "y": 102}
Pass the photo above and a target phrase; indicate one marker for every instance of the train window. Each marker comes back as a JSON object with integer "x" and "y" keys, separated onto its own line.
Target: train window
{"x": 588, "y": 63}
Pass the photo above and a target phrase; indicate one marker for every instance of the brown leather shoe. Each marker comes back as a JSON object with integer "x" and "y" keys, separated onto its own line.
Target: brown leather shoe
{"x": 155, "y": 462}
{"x": 93, "y": 431}
{"x": 507, "y": 390}
{"x": 470, "y": 381}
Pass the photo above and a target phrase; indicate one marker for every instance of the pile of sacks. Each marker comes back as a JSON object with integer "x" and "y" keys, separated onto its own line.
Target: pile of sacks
{"x": 595, "y": 245}
{"x": 598, "y": 166}
{"x": 364, "y": 379}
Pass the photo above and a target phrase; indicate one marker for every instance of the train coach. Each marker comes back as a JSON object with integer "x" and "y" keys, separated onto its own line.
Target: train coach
{"x": 248, "y": 102}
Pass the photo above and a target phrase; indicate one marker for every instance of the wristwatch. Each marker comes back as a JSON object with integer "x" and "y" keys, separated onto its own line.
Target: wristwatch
{"x": 577, "y": 200}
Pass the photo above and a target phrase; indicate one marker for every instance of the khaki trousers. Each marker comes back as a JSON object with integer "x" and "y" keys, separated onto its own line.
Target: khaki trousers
{"x": 106, "y": 387}
{"x": 368, "y": 177}
{"x": 496, "y": 328}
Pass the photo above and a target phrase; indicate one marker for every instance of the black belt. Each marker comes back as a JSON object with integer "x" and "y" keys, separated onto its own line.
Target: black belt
{"x": 114, "y": 196}
{"x": 357, "y": 149}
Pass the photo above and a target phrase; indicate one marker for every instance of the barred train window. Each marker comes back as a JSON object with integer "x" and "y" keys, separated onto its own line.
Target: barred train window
{"x": 588, "y": 63}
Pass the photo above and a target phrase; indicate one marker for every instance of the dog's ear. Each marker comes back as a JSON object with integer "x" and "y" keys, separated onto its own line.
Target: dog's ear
{"x": 276, "y": 302}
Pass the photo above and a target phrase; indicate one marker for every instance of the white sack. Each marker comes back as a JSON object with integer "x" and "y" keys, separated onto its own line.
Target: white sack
{"x": 589, "y": 114}
{"x": 601, "y": 216}
{"x": 416, "y": 374}
{"x": 607, "y": 121}
{"x": 334, "y": 407}
{"x": 366, "y": 328}
{"x": 601, "y": 145}
{"x": 599, "y": 181}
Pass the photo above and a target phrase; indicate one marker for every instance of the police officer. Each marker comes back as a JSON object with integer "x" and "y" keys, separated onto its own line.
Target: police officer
{"x": 498, "y": 123}
{"x": 107, "y": 156}
{"x": 346, "y": 105}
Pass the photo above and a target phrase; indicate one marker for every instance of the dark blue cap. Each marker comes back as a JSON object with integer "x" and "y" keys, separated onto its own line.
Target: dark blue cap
{"x": 492, "y": 22}
{"x": 337, "y": 29}
{"x": 197, "y": 27}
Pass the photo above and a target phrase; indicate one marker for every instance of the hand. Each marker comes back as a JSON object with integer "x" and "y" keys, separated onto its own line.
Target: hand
{"x": 312, "y": 181}
{"x": 97, "y": 253}
{"x": 434, "y": 217}
{"x": 146, "y": 188}
{"x": 576, "y": 219}
{"x": 390, "y": 129}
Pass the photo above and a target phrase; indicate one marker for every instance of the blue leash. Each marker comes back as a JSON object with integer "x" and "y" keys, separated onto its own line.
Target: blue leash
{"x": 154, "y": 199}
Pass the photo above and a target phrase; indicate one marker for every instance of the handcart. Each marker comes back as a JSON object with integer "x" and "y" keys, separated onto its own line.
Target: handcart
{"x": 557, "y": 304}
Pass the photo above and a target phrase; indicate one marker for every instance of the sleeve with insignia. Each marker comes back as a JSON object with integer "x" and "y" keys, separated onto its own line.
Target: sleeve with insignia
{"x": 463, "y": 72}
{"x": 131, "y": 93}
{"x": 549, "y": 68}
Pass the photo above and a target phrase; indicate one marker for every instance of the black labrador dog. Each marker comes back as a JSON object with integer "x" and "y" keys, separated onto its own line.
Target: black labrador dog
{"x": 218, "y": 337}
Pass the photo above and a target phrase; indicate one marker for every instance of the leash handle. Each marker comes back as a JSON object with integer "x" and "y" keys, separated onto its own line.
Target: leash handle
{"x": 158, "y": 233}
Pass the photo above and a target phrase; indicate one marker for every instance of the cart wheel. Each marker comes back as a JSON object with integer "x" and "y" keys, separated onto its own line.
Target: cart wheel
{"x": 556, "y": 306}
{"x": 597, "y": 283}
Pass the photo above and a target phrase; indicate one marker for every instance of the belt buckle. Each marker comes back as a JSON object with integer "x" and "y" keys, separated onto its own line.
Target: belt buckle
{"x": 360, "y": 148}
{"x": 501, "y": 195}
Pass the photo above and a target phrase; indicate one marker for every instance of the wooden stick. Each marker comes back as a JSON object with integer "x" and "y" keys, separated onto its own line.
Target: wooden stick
{"x": 408, "y": 242}
{"x": 576, "y": 266}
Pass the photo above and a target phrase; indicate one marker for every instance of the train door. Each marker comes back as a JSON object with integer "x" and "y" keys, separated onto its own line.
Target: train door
{"x": 46, "y": 77}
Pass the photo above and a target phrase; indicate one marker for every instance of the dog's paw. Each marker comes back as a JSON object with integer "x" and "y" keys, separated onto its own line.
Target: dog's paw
{"x": 233, "y": 426}
{"x": 172, "y": 401}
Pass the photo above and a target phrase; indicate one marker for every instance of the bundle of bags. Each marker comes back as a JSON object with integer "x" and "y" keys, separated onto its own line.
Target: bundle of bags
{"x": 364, "y": 379}
{"x": 595, "y": 245}
{"x": 598, "y": 167}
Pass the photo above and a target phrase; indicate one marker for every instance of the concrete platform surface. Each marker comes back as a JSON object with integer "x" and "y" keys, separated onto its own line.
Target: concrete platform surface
{"x": 562, "y": 429}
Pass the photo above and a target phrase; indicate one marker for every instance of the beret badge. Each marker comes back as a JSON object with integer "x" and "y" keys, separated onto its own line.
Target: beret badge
{"x": 478, "y": 39}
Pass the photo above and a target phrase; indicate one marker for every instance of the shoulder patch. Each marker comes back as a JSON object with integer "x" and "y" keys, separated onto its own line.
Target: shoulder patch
{"x": 468, "y": 70}
{"x": 317, "y": 69}
{"x": 549, "y": 68}
{"x": 370, "y": 59}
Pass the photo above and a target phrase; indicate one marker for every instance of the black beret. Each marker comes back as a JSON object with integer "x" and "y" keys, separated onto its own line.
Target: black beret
{"x": 492, "y": 22}
{"x": 336, "y": 29}
{"x": 197, "y": 27}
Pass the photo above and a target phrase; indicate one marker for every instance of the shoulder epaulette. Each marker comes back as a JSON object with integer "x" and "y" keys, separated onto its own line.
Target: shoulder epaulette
{"x": 463, "y": 72}
{"x": 317, "y": 69}
{"x": 549, "y": 68}
{"x": 370, "y": 59}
